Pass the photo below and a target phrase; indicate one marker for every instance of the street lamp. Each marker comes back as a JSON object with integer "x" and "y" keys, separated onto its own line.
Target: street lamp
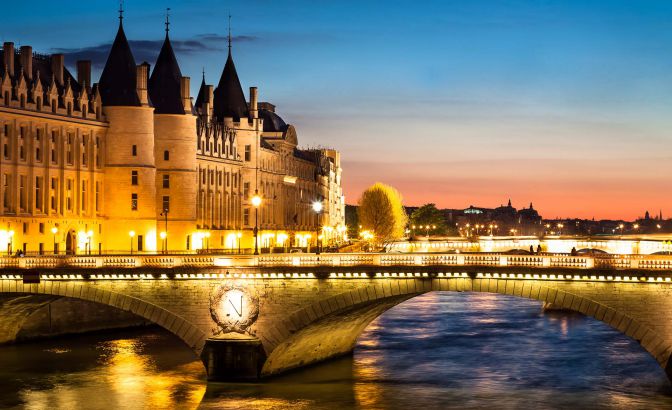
{"x": 54, "y": 231}
{"x": 317, "y": 207}
{"x": 621, "y": 226}
{"x": 256, "y": 201}
{"x": 163, "y": 236}
{"x": 132, "y": 235}
{"x": 89, "y": 235}
{"x": 239, "y": 235}
{"x": 11, "y": 242}
{"x": 164, "y": 214}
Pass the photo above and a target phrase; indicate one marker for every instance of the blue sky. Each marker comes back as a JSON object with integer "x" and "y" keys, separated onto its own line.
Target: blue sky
{"x": 563, "y": 103}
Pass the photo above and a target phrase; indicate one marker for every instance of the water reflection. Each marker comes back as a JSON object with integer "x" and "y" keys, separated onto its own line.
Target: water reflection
{"x": 441, "y": 350}
{"x": 102, "y": 372}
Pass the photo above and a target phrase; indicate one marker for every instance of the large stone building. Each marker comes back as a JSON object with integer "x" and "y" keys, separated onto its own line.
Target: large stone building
{"x": 134, "y": 164}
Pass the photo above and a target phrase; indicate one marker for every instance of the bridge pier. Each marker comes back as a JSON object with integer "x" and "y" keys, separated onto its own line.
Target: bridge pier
{"x": 233, "y": 359}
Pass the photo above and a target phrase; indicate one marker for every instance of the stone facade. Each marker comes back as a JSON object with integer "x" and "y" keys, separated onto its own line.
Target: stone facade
{"x": 132, "y": 163}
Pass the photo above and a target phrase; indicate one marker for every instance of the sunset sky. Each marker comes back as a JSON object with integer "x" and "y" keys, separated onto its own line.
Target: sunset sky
{"x": 567, "y": 104}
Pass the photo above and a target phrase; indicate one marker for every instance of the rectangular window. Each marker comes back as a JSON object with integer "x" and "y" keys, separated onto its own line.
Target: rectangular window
{"x": 25, "y": 227}
{"x": 134, "y": 202}
{"x": 166, "y": 204}
{"x": 22, "y": 193}
{"x": 38, "y": 193}
{"x": 84, "y": 152}
{"x": 68, "y": 196}
{"x": 6, "y": 178}
{"x": 248, "y": 153}
{"x": 84, "y": 198}
{"x": 134, "y": 177}
{"x": 134, "y": 150}
{"x": 166, "y": 155}
{"x": 246, "y": 216}
{"x": 5, "y": 151}
{"x": 68, "y": 156}
{"x": 246, "y": 190}
{"x": 166, "y": 181}
{"x": 97, "y": 151}
{"x": 41, "y": 227}
{"x": 97, "y": 196}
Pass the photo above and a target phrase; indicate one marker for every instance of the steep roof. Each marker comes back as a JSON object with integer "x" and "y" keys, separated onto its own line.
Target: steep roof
{"x": 164, "y": 83}
{"x": 202, "y": 93}
{"x": 229, "y": 98}
{"x": 118, "y": 81}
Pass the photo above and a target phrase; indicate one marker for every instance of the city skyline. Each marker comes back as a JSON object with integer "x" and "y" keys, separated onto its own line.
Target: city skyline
{"x": 563, "y": 104}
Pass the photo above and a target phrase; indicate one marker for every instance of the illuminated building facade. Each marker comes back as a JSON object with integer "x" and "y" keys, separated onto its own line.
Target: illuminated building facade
{"x": 132, "y": 163}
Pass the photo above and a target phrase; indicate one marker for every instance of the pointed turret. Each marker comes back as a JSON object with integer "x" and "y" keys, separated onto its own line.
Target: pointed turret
{"x": 118, "y": 81}
{"x": 164, "y": 84}
{"x": 202, "y": 93}
{"x": 229, "y": 98}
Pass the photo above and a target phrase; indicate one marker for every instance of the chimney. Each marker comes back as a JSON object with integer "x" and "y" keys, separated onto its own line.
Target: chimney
{"x": 27, "y": 61}
{"x": 57, "y": 67}
{"x": 141, "y": 83}
{"x": 8, "y": 52}
{"x": 210, "y": 93}
{"x": 253, "y": 103}
{"x": 184, "y": 91}
{"x": 84, "y": 72}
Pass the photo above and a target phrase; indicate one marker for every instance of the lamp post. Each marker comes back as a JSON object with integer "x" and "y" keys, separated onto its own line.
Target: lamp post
{"x": 132, "y": 235}
{"x": 54, "y": 231}
{"x": 256, "y": 201}
{"x": 89, "y": 235}
{"x": 207, "y": 241}
{"x": 163, "y": 236}
{"x": 11, "y": 243}
{"x": 164, "y": 214}
{"x": 621, "y": 226}
{"x": 239, "y": 235}
{"x": 317, "y": 207}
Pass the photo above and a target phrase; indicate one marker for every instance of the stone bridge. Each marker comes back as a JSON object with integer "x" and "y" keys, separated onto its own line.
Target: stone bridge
{"x": 250, "y": 317}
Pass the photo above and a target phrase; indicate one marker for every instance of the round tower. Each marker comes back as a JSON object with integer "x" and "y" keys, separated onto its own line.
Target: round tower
{"x": 130, "y": 171}
{"x": 175, "y": 152}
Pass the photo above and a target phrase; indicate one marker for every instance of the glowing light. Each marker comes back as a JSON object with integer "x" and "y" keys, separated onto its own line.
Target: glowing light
{"x": 256, "y": 201}
{"x": 317, "y": 206}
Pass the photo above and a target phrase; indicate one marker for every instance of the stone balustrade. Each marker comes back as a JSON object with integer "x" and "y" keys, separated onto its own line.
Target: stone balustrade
{"x": 549, "y": 261}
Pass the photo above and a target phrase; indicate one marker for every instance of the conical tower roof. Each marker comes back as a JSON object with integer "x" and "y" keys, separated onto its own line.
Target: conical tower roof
{"x": 118, "y": 81}
{"x": 164, "y": 83}
{"x": 202, "y": 93}
{"x": 229, "y": 98}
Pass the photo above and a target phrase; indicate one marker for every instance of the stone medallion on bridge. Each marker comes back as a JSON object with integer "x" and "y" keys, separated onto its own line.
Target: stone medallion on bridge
{"x": 233, "y": 309}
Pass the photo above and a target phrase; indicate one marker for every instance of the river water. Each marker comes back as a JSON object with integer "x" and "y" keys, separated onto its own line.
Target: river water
{"x": 439, "y": 350}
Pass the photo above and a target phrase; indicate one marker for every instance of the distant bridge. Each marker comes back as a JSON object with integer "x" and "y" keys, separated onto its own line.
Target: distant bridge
{"x": 251, "y": 316}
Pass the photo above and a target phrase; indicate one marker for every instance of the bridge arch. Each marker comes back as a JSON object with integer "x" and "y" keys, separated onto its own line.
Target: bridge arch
{"x": 331, "y": 327}
{"x": 190, "y": 334}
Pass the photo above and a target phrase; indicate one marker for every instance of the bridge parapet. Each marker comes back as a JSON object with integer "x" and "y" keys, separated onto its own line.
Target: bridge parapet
{"x": 541, "y": 261}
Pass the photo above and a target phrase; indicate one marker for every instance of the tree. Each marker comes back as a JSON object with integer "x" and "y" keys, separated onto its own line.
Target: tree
{"x": 381, "y": 213}
{"x": 428, "y": 215}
